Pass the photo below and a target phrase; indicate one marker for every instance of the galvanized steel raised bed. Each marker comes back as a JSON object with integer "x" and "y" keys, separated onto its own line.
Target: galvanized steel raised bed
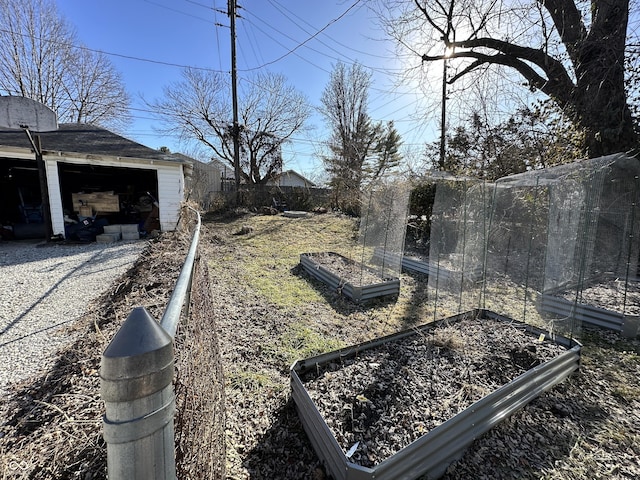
{"x": 432, "y": 453}
{"x": 408, "y": 263}
{"x": 413, "y": 264}
{"x": 626, "y": 325}
{"x": 386, "y": 287}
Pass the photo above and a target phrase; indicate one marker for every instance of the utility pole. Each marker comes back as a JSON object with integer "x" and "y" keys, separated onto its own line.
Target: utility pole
{"x": 235, "y": 133}
{"x": 443, "y": 116}
{"x": 448, "y": 52}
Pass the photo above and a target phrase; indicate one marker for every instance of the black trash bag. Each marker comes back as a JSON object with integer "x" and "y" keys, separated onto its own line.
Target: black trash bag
{"x": 86, "y": 230}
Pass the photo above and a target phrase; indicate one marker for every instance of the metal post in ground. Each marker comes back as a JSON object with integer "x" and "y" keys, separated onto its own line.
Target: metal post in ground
{"x": 136, "y": 386}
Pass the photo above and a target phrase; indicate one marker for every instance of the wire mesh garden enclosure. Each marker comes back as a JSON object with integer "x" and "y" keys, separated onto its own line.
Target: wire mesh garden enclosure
{"x": 372, "y": 268}
{"x": 517, "y": 256}
{"x": 553, "y": 247}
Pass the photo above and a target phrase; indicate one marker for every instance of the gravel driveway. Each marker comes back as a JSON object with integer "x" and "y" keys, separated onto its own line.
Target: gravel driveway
{"x": 43, "y": 289}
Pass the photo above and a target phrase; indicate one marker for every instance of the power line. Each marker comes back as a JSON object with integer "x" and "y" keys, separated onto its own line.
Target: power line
{"x": 215, "y": 18}
{"x": 129, "y": 57}
{"x": 342, "y": 45}
{"x": 226, "y": 71}
{"x": 340, "y": 58}
{"x": 200, "y": 4}
{"x": 253, "y": 43}
{"x": 249, "y": 22}
{"x": 184, "y": 66}
{"x": 305, "y": 31}
{"x": 181, "y": 12}
{"x": 373, "y": 69}
{"x": 276, "y": 41}
{"x": 307, "y": 40}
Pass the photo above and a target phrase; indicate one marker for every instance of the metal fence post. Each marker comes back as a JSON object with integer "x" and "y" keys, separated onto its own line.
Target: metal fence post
{"x": 136, "y": 386}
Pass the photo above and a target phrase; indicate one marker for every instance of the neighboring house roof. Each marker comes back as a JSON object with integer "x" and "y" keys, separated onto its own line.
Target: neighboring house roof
{"x": 291, "y": 175}
{"x": 86, "y": 140}
{"x": 186, "y": 158}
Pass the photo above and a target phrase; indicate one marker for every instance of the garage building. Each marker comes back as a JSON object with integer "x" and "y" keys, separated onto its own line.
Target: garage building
{"x": 90, "y": 173}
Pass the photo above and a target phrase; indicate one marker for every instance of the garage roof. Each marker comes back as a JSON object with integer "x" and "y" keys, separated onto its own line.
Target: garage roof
{"x": 86, "y": 140}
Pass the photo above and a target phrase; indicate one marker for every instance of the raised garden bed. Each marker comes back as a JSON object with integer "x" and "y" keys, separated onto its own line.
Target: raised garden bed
{"x": 409, "y": 404}
{"x": 350, "y": 278}
{"x": 411, "y": 264}
{"x": 423, "y": 266}
{"x": 599, "y": 305}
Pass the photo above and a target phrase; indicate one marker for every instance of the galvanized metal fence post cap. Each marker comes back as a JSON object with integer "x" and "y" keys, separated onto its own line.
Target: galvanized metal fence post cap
{"x": 140, "y": 333}
{"x": 139, "y": 359}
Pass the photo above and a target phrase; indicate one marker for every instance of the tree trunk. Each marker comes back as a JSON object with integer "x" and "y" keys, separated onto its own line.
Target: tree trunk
{"x": 590, "y": 91}
{"x": 600, "y": 102}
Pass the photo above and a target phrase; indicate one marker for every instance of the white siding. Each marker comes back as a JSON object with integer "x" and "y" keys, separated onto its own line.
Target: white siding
{"x": 170, "y": 195}
{"x": 290, "y": 179}
{"x": 170, "y": 187}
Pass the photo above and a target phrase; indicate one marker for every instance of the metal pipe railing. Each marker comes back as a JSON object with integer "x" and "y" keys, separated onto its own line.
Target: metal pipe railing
{"x": 180, "y": 295}
{"x": 136, "y": 385}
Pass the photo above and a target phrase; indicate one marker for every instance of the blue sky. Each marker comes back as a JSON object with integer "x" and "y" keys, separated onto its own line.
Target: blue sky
{"x": 151, "y": 41}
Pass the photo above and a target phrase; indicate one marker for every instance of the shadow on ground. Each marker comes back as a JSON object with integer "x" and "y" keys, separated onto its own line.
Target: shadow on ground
{"x": 284, "y": 451}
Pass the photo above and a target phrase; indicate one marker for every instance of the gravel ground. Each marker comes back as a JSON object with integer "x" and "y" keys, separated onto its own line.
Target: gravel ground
{"x": 45, "y": 287}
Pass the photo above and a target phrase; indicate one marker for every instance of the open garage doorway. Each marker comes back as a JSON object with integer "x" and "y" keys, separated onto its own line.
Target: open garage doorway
{"x": 111, "y": 195}
{"x": 21, "y": 214}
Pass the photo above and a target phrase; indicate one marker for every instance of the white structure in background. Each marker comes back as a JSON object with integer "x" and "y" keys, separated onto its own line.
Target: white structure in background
{"x": 291, "y": 178}
{"x": 85, "y": 158}
{"x": 203, "y": 181}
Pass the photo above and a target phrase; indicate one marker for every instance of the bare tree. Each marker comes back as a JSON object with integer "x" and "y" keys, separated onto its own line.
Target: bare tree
{"x": 344, "y": 106}
{"x": 573, "y": 52}
{"x": 530, "y": 139}
{"x": 632, "y": 70}
{"x": 40, "y": 59}
{"x": 197, "y": 107}
{"x": 95, "y": 93}
{"x": 35, "y": 47}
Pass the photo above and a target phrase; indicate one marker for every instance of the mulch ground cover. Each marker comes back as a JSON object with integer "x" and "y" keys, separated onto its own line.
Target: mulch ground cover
{"x": 587, "y": 427}
{"x": 382, "y": 399}
{"x": 616, "y": 295}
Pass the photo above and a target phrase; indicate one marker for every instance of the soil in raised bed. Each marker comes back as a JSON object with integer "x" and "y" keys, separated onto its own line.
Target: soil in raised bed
{"x": 347, "y": 270}
{"x": 614, "y": 295}
{"x": 417, "y": 253}
{"x": 386, "y": 397}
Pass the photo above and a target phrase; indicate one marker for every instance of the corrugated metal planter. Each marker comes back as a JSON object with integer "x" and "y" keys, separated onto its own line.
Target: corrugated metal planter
{"x": 408, "y": 263}
{"x": 385, "y": 287}
{"x": 433, "y": 452}
{"x": 626, "y": 325}
{"x": 413, "y": 264}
